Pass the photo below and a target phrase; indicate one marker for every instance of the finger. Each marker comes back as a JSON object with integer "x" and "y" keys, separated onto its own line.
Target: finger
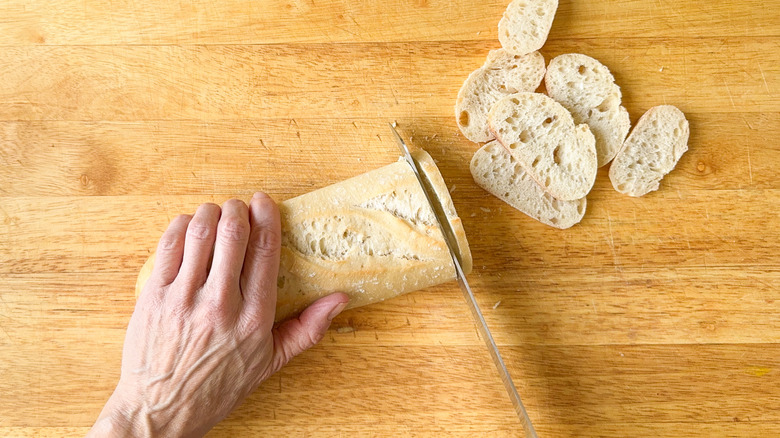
{"x": 198, "y": 245}
{"x": 229, "y": 250}
{"x": 297, "y": 335}
{"x": 170, "y": 251}
{"x": 261, "y": 267}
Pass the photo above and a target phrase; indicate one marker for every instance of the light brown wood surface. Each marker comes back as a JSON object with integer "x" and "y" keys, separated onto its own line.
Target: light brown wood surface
{"x": 657, "y": 316}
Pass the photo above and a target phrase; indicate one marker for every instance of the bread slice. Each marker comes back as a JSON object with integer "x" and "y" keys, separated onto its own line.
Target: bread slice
{"x": 609, "y": 122}
{"x": 657, "y": 142}
{"x": 559, "y": 155}
{"x": 526, "y": 24}
{"x": 586, "y": 88}
{"x": 578, "y": 81}
{"x": 502, "y": 74}
{"x": 498, "y": 172}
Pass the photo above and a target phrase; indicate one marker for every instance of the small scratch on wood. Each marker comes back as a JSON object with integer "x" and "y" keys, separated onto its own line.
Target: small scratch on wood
{"x": 763, "y": 77}
{"x": 729, "y": 91}
{"x": 615, "y": 260}
{"x": 750, "y": 167}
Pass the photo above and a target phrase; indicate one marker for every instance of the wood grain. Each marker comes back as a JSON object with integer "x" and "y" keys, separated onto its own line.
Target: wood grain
{"x": 361, "y": 80}
{"x": 657, "y": 316}
{"x": 726, "y": 156}
{"x": 106, "y": 22}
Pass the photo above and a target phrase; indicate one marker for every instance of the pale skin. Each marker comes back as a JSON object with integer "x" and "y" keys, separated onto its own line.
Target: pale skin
{"x": 202, "y": 336}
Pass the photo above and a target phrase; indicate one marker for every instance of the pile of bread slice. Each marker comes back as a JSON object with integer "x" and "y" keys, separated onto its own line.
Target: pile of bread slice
{"x": 543, "y": 150}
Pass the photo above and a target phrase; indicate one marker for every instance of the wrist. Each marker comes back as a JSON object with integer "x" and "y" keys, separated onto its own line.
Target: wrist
{"x": 123, "y": 416}
{"x": 120, "y": 419}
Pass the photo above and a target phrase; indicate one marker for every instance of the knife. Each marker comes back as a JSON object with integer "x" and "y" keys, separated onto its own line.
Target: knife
{"x": 484, "y": 331}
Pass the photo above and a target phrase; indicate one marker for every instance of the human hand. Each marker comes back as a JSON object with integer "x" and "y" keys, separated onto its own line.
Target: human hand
{"x": 201, "y": 338}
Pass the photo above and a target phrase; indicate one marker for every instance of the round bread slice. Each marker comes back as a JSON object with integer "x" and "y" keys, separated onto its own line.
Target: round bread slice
{"x": 502, "y": 74}
{"x": 496, "y": 171}
{"x": 654, "y": 147}
{"x": 540, "y": 133}
{"x": 526, "y": 24}
{"x": 578, "y": 82}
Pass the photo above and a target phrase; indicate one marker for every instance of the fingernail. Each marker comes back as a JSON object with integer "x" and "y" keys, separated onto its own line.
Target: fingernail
{"x": 336, "y": 310}
{"x": 259, "y": 195}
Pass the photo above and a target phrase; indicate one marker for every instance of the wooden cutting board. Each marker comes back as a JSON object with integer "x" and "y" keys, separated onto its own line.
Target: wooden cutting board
{"x": 656, "y": 316}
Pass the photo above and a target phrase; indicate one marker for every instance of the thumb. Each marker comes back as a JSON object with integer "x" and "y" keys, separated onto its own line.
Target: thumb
{"x": 295, "y": 336}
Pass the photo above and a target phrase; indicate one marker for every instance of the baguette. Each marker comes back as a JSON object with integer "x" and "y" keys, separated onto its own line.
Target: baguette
{"x": 526, "y": 24}
{"x": 654, "y": 147}
{"x": 559, "y": 155}
{"x": 499, "y": 173}
{"x": 586, "y": 88}
{"x": 372, "y": 237}
{"x": 501, "y": 74}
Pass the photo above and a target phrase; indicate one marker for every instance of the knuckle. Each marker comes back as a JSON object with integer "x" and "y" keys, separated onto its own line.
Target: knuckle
{"x": 218, "y": 309}
{"x": 172, "y": 238}
{"x": 306, "y": 338}
{"x": 169, "y": 242}
{"x": 178, "y": 308}
{"x": 199, "y": 230}
{"x": 268, "y": 242}
{"x": 234, "y": 229}
{"x": 314, "y": 338}
{"x": 149, "y": 301}
{"x": 252, "y": 325}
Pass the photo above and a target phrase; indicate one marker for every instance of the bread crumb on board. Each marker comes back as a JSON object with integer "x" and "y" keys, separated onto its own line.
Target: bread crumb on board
{"x": 495, "y": 306}
{"x": 484, "y": 210}
{"x": 395, "y": 124}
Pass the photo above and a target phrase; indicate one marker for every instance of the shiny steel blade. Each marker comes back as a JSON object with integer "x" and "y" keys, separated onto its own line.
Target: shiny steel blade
{"x": 452, "y": 245}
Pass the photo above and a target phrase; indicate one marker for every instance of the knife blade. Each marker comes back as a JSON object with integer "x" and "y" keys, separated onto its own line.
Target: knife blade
{"x": 482, "y": 327}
